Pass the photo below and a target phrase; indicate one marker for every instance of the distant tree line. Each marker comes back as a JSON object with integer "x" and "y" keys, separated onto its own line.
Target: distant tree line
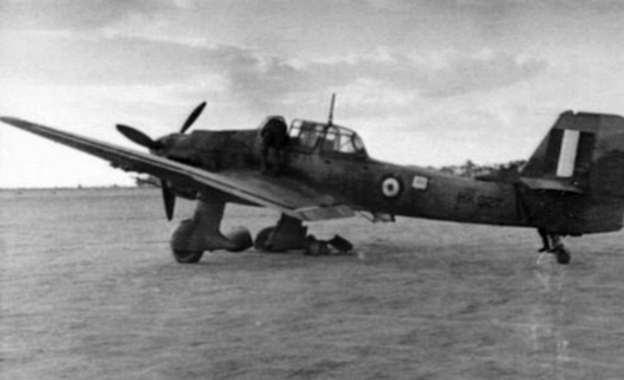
{"x": 506, "y": 171}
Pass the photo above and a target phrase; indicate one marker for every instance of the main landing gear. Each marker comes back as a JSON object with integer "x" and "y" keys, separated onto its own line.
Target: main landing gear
{"x": 201, "y": 233}
{"x": 552, "y": 244}
{"x": 290, "y": 234}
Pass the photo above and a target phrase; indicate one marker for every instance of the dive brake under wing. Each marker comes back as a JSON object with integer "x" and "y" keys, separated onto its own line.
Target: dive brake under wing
{"x": 285, "y": 195}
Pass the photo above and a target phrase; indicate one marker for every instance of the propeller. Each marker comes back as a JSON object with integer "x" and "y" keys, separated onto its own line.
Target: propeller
{"x": 168, "y": 198}
{"x": 137, "y": 136}
{"x": 144, "y": 140}
{"x": 192, "y": 117}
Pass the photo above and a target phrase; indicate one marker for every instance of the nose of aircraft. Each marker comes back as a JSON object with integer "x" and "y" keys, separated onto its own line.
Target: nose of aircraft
{"x": 161, "y": 147}
{"x": 144, "y": 140}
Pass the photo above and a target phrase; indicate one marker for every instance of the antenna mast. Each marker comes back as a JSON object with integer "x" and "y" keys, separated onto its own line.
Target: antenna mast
{"x": 331, "y": 109}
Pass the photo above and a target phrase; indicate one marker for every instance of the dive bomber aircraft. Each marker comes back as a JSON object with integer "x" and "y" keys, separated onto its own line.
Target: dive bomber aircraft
{"x": 572, "y": 185}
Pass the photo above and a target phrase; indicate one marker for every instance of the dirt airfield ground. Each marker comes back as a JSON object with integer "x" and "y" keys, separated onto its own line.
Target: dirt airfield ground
{"x": 89, "y": 290}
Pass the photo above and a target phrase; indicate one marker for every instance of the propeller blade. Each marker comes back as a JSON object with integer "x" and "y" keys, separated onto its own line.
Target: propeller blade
{"x": 137, "y": 136}
{"x": 168, "y": 198}
{"x": 192, "y": 117}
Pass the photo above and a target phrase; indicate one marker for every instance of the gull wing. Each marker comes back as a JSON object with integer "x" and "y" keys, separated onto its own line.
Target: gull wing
{"x": 289, "y": 196}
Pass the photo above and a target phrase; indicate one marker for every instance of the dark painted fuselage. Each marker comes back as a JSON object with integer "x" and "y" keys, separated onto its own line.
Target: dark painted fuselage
{"x": 335, "y": 162}
{"x": 425, "y": 193}
{"x": 357, "y": 180}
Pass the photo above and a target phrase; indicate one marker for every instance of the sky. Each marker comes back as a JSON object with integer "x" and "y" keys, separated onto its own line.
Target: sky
{"x": 425, "y": 83}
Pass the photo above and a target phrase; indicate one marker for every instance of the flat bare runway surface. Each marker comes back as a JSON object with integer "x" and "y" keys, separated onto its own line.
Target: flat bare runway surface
{"x": 89, "y": 290}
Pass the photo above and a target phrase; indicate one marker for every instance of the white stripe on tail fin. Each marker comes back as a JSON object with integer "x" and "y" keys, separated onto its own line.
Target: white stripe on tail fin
{"x": 568, "y": 153}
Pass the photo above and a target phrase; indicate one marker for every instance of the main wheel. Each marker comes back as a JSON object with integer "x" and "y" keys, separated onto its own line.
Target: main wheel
{"x": 341, "y": 244}
{"x": 261, "y": 239}
{"x": 187, "y": 257}
{"x": 315, "y": 247}
{"x": 241, "y": 238}
{"x": 562, "y": 255}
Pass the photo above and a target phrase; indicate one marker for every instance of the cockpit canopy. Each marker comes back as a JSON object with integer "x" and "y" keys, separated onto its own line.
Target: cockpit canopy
{"x": 307, "y": 135}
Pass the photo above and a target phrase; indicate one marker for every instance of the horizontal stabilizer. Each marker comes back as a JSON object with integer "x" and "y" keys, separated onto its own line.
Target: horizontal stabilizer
{"x": 550, "y": 184}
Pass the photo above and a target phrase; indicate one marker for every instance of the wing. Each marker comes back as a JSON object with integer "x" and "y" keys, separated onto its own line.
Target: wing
{"x": 285, "y": 195}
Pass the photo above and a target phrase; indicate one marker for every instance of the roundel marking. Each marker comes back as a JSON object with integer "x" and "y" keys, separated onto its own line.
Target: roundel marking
{"x": 391, "y": 187}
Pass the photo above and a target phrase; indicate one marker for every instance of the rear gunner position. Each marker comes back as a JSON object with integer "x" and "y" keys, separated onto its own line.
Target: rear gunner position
{"x": 572, "y": 185}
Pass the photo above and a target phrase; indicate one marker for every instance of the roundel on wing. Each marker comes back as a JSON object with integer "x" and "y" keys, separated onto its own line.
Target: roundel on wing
{"x": 391, "y": 187}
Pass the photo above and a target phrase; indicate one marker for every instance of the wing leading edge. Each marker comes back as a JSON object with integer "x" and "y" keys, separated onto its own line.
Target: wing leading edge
{"x": 288, "y": 196}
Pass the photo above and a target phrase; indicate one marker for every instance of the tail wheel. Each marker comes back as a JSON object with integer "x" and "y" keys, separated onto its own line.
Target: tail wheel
{"x": 187, "y": 257}
{"x": 562, "y": 255}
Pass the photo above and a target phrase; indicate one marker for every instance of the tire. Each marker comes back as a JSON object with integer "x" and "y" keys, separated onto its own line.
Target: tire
{"x": 241, "y": 238}
{"x": 187, "y": 257}
{"x": 261, "y": 239}
{"x": 314, "y": 247}
{"x": 341, "y": 244}
{"x": 563, "y": 256}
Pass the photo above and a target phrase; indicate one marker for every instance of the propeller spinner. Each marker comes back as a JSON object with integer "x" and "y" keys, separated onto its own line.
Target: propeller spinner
{"x": 144, "y": 140}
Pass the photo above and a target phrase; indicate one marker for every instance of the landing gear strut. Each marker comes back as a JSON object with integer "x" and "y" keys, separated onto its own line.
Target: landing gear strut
{"x": 201, "y": 233}
{"x": 289, "y": 233}
{"x": 552, "y": 244}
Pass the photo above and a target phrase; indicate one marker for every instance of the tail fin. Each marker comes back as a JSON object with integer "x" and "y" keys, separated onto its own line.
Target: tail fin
{"x": 583, "y": 151}
{"x": 582, "y": 154}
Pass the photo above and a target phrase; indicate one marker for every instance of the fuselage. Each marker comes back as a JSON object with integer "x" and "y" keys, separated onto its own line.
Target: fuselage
{"x": 349, "y": 175}
{"x": 380, "y": 187}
